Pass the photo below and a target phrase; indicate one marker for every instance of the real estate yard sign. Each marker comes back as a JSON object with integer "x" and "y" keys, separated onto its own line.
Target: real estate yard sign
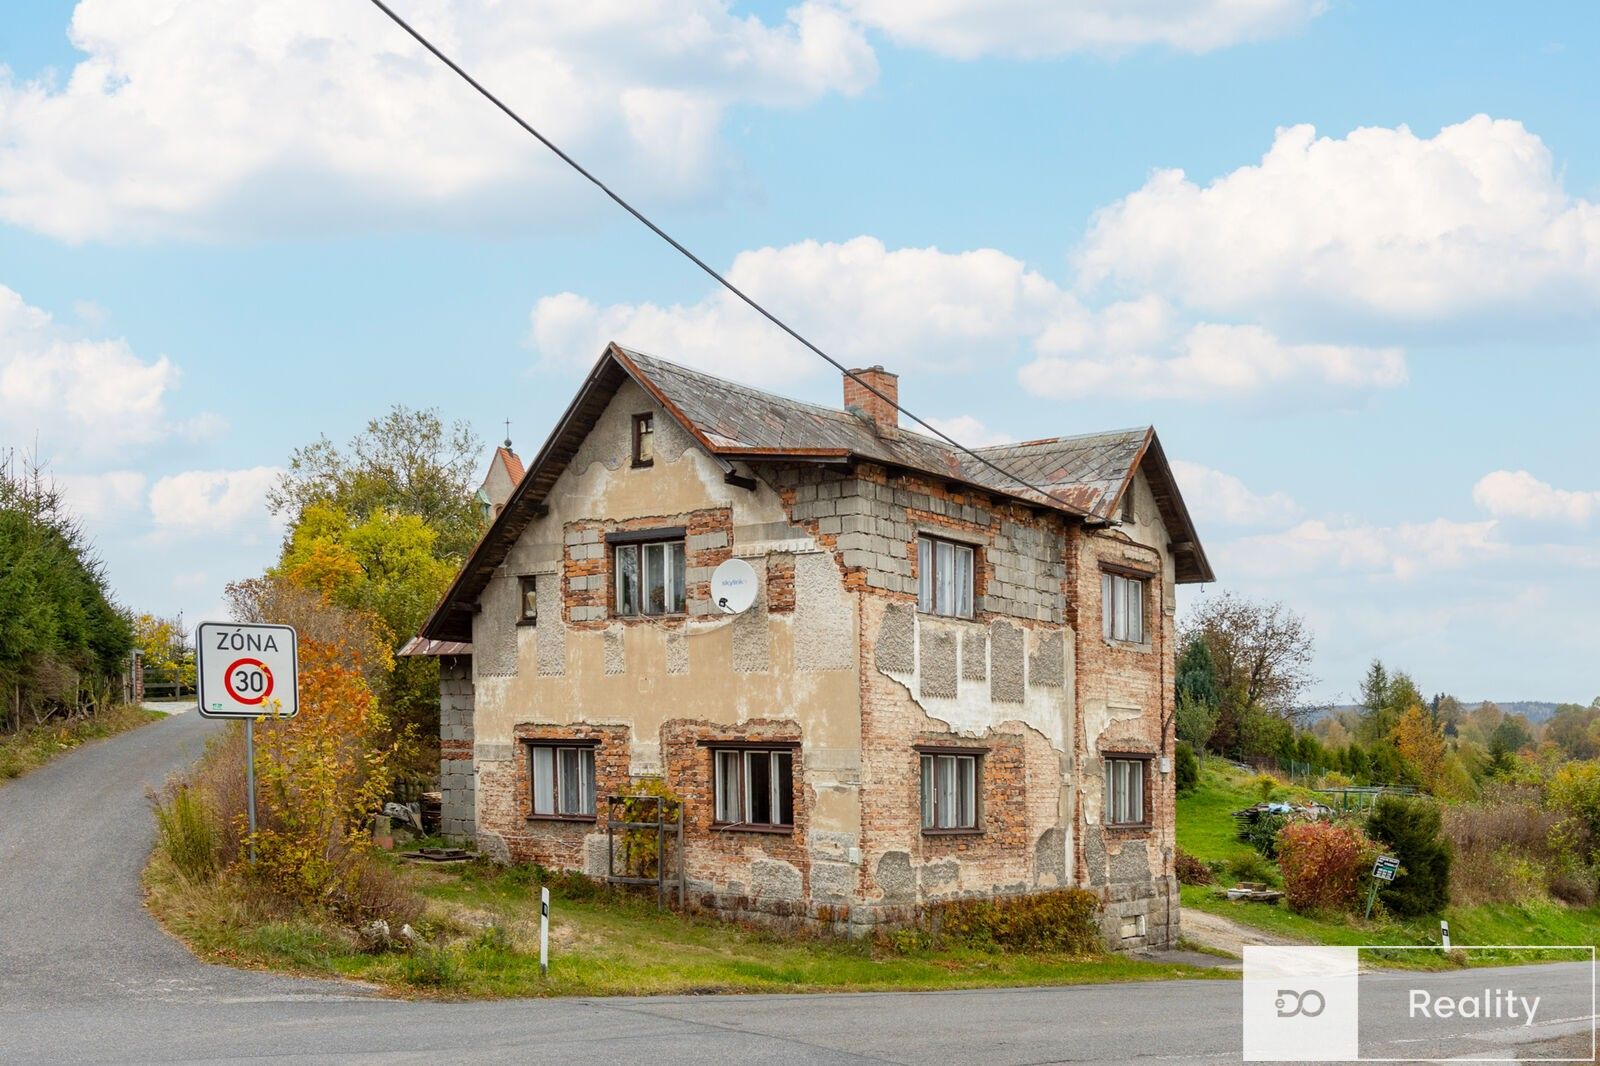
{"x": 247, "y": 671}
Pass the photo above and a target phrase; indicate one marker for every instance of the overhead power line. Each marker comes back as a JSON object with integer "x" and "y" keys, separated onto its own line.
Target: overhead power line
{"x": 702, "y": 264}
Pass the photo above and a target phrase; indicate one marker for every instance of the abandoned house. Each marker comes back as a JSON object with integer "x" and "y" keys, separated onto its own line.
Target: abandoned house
{"x": 947, "y": 685}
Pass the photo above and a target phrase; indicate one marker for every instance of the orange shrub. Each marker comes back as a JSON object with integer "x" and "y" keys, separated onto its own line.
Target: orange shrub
{"x": 1324, "y": 865}
{"x": 319, "y": 777}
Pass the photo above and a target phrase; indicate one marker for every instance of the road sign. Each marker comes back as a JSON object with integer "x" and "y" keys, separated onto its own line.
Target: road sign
{"x": 247, "y": 670}
{"x": 1386, "y": 867}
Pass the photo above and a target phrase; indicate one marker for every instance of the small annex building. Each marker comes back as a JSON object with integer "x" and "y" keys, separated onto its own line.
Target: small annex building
{"x": 948, "y": 685}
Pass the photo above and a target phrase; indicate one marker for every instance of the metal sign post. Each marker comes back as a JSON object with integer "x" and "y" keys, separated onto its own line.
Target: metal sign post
{"x": 544, "y": 932}
{"x": 1383, "y": 870}
{"x": 247, "y": 671}
{"x": 250, "y": 780}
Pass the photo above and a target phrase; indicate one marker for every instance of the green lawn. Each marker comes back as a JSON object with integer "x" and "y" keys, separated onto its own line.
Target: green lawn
{"x": 483, "y": 936}
{"x": 35, "y": 745}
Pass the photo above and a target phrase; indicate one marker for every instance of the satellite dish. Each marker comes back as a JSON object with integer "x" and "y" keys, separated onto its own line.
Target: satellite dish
{"x": 733, "y": 586}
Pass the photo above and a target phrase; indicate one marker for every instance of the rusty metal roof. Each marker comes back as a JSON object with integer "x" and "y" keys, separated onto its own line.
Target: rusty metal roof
{"x": 1084, "y": 475}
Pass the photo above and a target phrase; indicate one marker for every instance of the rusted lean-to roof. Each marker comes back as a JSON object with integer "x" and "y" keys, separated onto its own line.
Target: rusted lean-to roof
{"x": 1084, "y": 476}
{"x": 423, "y": 648}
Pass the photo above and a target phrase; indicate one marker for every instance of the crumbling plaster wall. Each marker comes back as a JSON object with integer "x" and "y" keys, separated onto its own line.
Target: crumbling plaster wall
{"x": 1125, "y": 694}
{"x": 931, "y": 680}
{"x": 790, "y": 661}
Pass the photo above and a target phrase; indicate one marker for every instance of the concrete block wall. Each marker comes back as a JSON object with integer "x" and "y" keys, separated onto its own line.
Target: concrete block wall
{"x": 873, "y": 520}
{"x": 457, "y": 780}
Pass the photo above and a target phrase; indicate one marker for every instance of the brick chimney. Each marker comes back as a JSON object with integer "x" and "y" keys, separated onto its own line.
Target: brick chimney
{"x": 880, "y": 413}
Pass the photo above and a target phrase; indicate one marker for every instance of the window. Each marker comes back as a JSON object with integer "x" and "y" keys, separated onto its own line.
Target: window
{"x": 644, "y": 440}
{"x": 949, "y": 791}
{"x": 754, "y": 788}
{"x": 1125, "y": 791}
{"x": 562, "y": 780}
{"x": 944, "y": 577}
{"x": 649, "y": 578}
{"x": 1122, "y": 607}
{"x": 527, "y": 600}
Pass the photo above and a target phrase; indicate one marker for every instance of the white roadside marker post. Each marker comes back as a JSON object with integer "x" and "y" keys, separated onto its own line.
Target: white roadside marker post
{"x": 1444, "y": 933}
{"x": 544, "y": 932}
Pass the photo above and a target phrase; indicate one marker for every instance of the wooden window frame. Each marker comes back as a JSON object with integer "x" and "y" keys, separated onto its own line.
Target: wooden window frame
{"x": 928, "y": 755}
{"x": 743, "y": 752}
{"x": 1112, "y": 607}
{"x": 929, "y": 574}
{"x": 582, "y": 746}
{"x": 525, "y": 585}
{"x": 1143, "y": 760}
{"x": 638, "y": 545}
{"x": 644, "y": 425}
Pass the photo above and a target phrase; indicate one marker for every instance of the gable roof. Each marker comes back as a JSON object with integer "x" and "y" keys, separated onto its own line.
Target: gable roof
{"x": 1085, "y": 476}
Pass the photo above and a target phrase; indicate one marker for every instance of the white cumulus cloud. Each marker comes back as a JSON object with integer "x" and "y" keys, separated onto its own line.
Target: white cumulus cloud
{"x": 210, "y": 118}
{"x": 1404, "y": 551}
{"x": 1215, "y": 361}
{"x": 859, "y": 301}
{"x": 75, "y": 396}
{"x": 968, "y": 431}
{"x": 1383, "y": 222}
{"x": 213, "y": 501}
{"x": 1518, "y": 494}
{"x": 967, "y": 29}
{"x": 100, "y": 497}
{"x": 1213, "y": 496}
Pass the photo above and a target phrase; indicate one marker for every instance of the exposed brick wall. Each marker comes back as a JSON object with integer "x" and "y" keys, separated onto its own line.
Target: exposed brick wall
{"x": 588, "y": 589}
{"x": 734, "y": 869}
{"x": 507, "y": 799}
{"x": 780, "y": 583}
{"x": 873, "y": 519}
{"x": 1132, "y": 868}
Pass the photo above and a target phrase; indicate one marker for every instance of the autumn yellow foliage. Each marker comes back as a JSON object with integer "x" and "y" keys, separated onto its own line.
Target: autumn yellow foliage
{"x": 320, "y": 775}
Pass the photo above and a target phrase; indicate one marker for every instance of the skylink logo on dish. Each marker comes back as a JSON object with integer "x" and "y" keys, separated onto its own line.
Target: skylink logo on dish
{"x": 1496, "y": 1004}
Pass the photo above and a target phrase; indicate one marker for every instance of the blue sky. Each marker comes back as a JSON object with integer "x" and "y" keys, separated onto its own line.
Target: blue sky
{"x": 226, "y": 228}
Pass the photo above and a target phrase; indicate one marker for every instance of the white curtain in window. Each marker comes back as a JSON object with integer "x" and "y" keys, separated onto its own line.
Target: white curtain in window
{"x": 728, "y": 805}
{"x": 948, "y": 811}
{"x": 964, "y": 582}
{"x": 925, "y": 575}
{"x": 1134, "y": 609}
{"x": 945, "y": 568}
{"x": 927, "y": 792}
{"x": 627, "y": 559}
{"x": 585, "y": 781}
{"x": 544, "y": 780}
{"x": 1108, "y": 605}
{"x": 674, "y": 552}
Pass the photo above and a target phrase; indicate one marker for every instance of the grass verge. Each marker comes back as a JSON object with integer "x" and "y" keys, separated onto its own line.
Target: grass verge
{"x": 480, "y": 941}
{"x": 34, "y": 746}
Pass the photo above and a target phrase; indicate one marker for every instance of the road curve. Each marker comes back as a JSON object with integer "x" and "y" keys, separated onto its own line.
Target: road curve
{"x": 87, "y": 976}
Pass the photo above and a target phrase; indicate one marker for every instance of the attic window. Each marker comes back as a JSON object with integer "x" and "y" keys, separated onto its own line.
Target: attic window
{"x": 1128, "y": 514}
{"x": 529, "y": 601}
{"x": 644, "y": 439}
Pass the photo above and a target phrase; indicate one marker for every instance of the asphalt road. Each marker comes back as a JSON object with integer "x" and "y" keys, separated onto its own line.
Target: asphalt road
{"x": 87, "y": 976}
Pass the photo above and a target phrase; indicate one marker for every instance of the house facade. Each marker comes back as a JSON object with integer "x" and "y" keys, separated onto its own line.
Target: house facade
{"x": 949, "y": 684}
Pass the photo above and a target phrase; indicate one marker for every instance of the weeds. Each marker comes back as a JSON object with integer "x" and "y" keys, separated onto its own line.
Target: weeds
{"x": 186, "y": 830}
